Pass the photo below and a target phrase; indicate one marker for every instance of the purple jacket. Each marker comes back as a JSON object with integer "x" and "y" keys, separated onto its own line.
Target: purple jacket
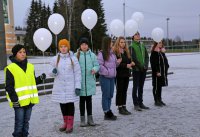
{"x": 107, "y": 68}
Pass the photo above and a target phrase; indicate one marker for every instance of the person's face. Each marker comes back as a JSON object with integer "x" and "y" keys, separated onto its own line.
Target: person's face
{"x": 160, "y": 45}
{"x": 63, "y": 49}
{"x": 21, "y": 55}
{"x": 137, "y": 37}
{"x": 84, "y": 47}
{"x": 122, "y": 43}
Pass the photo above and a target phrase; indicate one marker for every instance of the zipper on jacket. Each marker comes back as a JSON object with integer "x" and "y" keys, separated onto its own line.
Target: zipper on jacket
{"x": 85, "y": 74}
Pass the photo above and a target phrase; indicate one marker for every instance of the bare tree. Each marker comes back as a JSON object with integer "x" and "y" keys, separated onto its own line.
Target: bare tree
{"x": 3, "y": 57}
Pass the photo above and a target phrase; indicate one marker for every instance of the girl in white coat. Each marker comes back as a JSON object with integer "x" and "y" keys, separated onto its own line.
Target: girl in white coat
{"x": 67, "y": 83}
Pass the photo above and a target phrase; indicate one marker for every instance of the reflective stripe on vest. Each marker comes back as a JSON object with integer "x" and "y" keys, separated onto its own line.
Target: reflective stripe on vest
{"x": 25, "y": 85}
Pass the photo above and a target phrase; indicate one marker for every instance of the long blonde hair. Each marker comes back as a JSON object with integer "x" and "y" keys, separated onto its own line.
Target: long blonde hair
{"x": 117, "y": 47}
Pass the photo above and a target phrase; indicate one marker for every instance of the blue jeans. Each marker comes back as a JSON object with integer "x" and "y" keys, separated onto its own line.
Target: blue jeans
{"x": 22, "y": 117}
{"x": 107, "y": 88}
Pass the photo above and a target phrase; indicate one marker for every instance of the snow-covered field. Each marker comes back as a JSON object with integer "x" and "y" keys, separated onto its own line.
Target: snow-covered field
{"x": 180, "y": 118}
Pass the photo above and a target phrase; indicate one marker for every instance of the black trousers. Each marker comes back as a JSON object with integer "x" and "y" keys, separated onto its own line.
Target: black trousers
{"x": 122, "y": 86}
{"x": 67, "y": 109}
{"x": 157, "y": 91}
{"x": 138, "y": 84}
{"x": 88, "y": 101}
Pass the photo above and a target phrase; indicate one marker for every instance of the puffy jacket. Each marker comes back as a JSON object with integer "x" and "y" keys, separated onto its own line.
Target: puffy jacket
{"x": 88, "y": 62}
{"x": 67, "y": 79}
{"x": 108, "y": 67}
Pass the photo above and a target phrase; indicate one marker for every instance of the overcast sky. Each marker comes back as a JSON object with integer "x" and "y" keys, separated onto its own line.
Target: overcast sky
{"x": 184, "y": 15}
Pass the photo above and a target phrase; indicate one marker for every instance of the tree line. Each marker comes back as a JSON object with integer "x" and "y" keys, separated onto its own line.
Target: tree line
{"x": 71, "y": 10}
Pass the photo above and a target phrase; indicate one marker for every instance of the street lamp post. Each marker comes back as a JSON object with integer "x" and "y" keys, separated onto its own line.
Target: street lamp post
{"x": 167, "y": 31}
{"x": 199, "y": 32}
{"x": 124, "y": 16}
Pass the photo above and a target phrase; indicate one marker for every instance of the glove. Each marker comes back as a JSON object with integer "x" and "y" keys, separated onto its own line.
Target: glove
{"x": 77, "y": 91}
{"x": 55, "y": 71}
{"x": 16, "y": 104}
{"x": 43, "y": 76}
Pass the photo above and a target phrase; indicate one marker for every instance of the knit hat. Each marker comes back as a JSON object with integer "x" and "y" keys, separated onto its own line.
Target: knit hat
{"x": 17, "y": 48}
{"x": 83, "y": 40}
{"x": 64, "y": 42}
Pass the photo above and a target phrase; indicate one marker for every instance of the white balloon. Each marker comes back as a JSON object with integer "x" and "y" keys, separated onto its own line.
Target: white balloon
{"x": 89, "y": 18}
{"x": 56, "y": 23}
{"x": 131, "y": 27}
{"x": 157, "y": 34}
{"x": 117, "y": 27}
{"x": 42, "y": 39}
{"x": 138, "y": 17}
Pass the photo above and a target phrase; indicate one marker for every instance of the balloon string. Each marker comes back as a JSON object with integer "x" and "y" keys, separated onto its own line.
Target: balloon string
{"x": 56, "y": 43}
{"x": 91, "y": 38}
{"x": 44, "y": 62}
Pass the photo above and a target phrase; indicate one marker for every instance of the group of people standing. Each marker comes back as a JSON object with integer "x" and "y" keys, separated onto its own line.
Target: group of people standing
{"x": 74, "y": 79}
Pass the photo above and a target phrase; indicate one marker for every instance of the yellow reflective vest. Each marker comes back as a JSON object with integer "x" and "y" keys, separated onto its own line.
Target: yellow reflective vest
{"x": 25, "y": 84}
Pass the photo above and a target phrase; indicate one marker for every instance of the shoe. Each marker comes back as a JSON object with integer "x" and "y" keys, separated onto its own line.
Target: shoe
{"x": 158, "y": 103}
{"x": 110, "y": 116}
{"x": 137, "y": 108}
{"x": 142, "y": 106}
{"x": 162, "y": 103}
{"x": 90, "y": 121}
{"x": 127, "y": 112}
{"x": 83, "y": 124}
{"x": 122, "y": 111}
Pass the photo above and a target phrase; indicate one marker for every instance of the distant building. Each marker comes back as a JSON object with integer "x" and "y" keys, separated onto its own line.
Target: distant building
{"x": 9, "y": 24}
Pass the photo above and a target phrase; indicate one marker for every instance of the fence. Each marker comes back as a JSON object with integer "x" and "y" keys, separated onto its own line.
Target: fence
{"x": 46, "y": 88}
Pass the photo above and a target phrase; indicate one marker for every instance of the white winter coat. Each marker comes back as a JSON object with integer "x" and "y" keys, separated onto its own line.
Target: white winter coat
{"x": 67, "y": 79}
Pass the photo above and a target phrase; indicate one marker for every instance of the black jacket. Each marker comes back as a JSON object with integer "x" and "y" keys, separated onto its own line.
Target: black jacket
{"x": 10, "y": 83}
{"x": 122, "y": 70}
{"x": 159, "y": 64}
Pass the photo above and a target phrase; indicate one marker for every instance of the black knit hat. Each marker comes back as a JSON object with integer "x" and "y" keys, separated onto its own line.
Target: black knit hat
{"x": 84, "y": 40}
{"x": 17, "y": 48}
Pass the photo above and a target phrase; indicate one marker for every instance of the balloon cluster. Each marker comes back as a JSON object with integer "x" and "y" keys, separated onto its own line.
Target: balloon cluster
{"x": 42, "y": 37}
{"x": 132, "y": 25}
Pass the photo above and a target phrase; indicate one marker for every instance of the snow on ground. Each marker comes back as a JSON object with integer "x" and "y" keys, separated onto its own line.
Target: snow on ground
{"x": 180, "y": 118}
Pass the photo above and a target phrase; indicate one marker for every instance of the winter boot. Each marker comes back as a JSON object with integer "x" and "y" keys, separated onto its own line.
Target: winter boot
{"x": 83, "y": 124}
{"x": 70, "y": 124}
{"x": 158, "y": 103}
{"x": 110, "y": 116}
{"x": 90, "y": 121}
{"x": 64, "y": 126}
{"x": 127, "y": 112}
{"x": 121, "y": 111}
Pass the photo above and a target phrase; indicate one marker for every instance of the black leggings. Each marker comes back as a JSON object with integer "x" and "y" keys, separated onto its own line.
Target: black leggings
{"x": 67, "y": 109}
{"x": 88, "y": 101}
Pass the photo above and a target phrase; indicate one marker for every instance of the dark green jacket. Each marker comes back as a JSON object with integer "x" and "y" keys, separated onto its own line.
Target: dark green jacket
{"x": 140, "y": 56}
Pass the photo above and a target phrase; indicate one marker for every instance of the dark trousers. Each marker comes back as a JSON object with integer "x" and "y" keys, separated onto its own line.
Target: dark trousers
{"x": 157, "y": 91}
{"x": 67, "y": 109}
{"x": 122, "y": 86}
{"x": 138, "y": 84}
{"x": 88, "y": 101}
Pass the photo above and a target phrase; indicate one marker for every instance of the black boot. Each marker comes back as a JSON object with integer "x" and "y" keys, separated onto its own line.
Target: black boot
{"x": 162, "y": 103}
{"x": 158, "y": 103}
{"x": 126, "y": 111}
{"x": 110, "y": 116}
{"x": 142, "y": 106}
{"x": 122, "y": 111}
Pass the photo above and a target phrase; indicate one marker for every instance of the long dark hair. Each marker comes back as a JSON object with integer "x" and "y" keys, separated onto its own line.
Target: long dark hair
{"x": 154, "y": 46}
{"x": 106, "y": 42}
